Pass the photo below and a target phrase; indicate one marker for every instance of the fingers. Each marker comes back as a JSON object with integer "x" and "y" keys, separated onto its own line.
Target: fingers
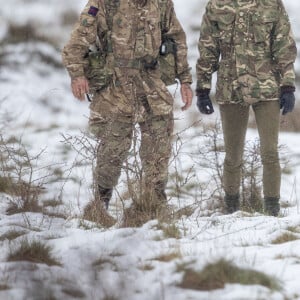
{"x": 186, "y": 95}
{"x": 80, "y": 87}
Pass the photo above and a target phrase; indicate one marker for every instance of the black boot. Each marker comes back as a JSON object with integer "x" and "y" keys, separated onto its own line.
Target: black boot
{"x": 271, "y": 206}
{"x": 105, "y": 195}
{"x": 232, "y": 203}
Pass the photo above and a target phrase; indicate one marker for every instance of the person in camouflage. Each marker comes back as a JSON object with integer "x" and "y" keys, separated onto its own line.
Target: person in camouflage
{"x": 135, "y": 95}
{"x": 250, "y": 44}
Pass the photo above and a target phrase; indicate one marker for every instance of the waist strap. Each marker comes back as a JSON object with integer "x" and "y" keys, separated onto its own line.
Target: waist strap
{"x": 138, "y": 63}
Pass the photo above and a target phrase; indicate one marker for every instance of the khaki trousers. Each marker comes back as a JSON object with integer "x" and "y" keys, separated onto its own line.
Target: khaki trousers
{"x": 234, "y": 122}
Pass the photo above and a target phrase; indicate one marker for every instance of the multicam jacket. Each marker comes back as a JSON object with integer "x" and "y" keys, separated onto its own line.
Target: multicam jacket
{"x": 135, "y": 34}
{"x": 250, "y": 44}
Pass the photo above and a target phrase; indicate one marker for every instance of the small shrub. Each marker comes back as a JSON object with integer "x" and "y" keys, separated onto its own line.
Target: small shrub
{"x": 285, "y": 238}
{"x": 216, "y": 275}
{"x": 33, "y": 251}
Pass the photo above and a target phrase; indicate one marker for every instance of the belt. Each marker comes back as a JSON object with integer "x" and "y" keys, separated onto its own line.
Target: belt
{"x": 138, "y": 63}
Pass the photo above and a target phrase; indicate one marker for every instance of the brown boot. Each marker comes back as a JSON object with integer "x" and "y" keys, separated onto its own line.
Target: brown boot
{"x": 96, "y": 212}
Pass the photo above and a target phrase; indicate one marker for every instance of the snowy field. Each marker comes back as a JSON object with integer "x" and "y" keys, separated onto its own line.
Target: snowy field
{"x": 146, "y": 263}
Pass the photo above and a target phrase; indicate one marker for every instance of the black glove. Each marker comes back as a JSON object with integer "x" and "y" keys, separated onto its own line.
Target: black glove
{"x": 203, "y": 101}
{"x": 287, "y": 99}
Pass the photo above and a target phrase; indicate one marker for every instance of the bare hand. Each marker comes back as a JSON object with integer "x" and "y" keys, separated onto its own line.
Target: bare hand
{"x": 186, "y": 95}
{"x": 80, "y": 87}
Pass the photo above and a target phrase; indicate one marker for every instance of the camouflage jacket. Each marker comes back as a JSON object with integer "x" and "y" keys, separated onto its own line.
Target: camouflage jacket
{"x": 250, "y": 44}
{"x": 136, "y": 33}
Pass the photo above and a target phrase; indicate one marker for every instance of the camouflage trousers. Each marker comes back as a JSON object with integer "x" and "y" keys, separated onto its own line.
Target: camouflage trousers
{"x": 234, "y": 122}
{"x": 118, "y": 139}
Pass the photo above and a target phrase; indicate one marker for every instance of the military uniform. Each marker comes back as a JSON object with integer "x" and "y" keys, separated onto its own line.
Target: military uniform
{"x": 136, "y": 94}
{"x": 250, "y": 44}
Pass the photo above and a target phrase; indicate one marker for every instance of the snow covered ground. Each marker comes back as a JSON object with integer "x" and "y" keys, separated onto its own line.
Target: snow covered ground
{"x": 38, "y": 109}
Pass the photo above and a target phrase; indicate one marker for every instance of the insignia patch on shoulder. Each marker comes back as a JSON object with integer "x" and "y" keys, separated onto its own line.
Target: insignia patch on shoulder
{"x": 93, "y": 11}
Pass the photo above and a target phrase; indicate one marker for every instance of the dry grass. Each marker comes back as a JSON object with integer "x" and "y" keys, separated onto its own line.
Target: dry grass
{"x": 74, "y": 293}
{"x": 33, "y": 251}
{"x": 146, "y": 267}
{"x": 11, "y": 235}
{"x": 104, "y": 262}
{"x": 25, "y": 33}
{"x": 168, "y": 257}
{"x": 5, "y": 184}
{"x": 28, "y": 203}
{"x": 285, "y": 238}
{"x": 4, "y": 287}
{"x": 169, "y": 230}
{"x": 294, "y": 229}
{"x": 216, "y": 275}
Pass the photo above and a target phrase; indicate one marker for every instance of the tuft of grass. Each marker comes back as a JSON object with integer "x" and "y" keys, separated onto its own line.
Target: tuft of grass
{"x": 25, "y": 205}
{"x": 57, "y": 215}
{"x": 33, "y": 251}
{"x": 25, "y": 33}
{"x": 169, "y": 230}
{"x": 294, "y": 229}
{"x": 146, "y": 267}
{"x": 74, "y": 293}
{"x": 185, "y": 211}
{"x": 103, "y": 262}
{"x": 285, "y": 238}
{"x": 280, "y": 256}
{"x": 11, "y": 235}
{"x": 110, "y": 297}
{"x": 216, "y": 275}
{"x": 52, "y": 203}
{"x": 4, "y": 287}
{"x": 168, "y": 257}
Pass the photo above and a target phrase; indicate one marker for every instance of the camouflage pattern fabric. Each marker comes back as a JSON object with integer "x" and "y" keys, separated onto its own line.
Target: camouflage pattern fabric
{"x": 135, "y": 95}
{"x": 115, "y": 142}
{"x": 136, "y": 34}
{"x": 250, "y": 44}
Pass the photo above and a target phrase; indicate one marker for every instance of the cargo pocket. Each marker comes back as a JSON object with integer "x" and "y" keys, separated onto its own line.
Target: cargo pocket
{"x": 223, "y": 28}
{"x": 97, "y": 72}
{"x": 263, "y": 24}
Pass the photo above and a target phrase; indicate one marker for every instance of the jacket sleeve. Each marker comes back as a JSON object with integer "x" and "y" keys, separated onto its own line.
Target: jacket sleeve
{"x": 284, "y": 49}
{"x": 209, "y": 50}
{"x": 174, "y": 30}
{"x": 74, "y": 54}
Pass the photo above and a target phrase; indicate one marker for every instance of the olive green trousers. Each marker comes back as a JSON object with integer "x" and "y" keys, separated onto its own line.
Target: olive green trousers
{"x": 234, "y": 122}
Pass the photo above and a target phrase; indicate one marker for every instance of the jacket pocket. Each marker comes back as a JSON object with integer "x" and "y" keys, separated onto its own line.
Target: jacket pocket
{"x": 224, "y": 25}
{"x": 263, "y": 24}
